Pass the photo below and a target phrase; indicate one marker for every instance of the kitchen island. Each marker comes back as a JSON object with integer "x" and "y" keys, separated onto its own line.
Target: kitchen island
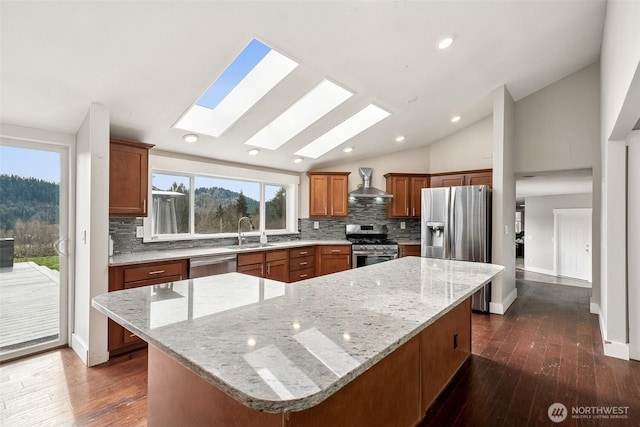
{"x": 368, "y": 346}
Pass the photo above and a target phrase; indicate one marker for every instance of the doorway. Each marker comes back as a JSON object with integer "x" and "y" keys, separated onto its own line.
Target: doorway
{"x": 572, "y": 237}
{"x": 34, "y": 227}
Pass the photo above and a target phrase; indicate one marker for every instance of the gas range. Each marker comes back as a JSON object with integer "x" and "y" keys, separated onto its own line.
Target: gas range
{"x": 369, "y": 244}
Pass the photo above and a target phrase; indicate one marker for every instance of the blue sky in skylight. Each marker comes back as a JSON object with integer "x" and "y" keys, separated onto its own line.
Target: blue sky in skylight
{"x": 235, "y": 72}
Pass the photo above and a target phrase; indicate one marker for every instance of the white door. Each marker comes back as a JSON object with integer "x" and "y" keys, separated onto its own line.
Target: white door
{"x": 34, "y": 225}
{"x": 573, "y": 243}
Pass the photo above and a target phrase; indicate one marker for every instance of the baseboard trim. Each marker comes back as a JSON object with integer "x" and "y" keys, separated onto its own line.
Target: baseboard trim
{"x": 539, "y": 270}
{"x": 612, "y": 348}
{"x": 594, "y": 308}
{"x": 81, "y": 349}
{"x": 501, "y": 308}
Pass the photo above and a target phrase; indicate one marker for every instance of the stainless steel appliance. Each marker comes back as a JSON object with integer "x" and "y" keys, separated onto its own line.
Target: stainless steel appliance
{"x": 456, "y": 224}
{"x": 212, "y": 265}
{"x": 369, "y": 244}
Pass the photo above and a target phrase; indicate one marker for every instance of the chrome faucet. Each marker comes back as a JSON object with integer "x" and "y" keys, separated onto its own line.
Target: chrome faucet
{"x": 241, "y": 238}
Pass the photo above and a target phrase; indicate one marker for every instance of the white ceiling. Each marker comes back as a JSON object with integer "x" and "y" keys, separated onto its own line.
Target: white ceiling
{"x": 534, "y": 184}
{"x": 149, "y": 61}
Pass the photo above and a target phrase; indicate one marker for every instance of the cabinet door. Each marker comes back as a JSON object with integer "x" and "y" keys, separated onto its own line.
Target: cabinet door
{"x": 480, "y": 178}
{"x": 278, "y": 270}
{"x": 409, "y": 250}
{"x": 252, "y": 269}
{"x": 318, "y": 195}
{"x": 448, "y": 180}
{"x": 339, "y": 188}
{"x": 334, "y": 263}
{"x": 398, "y": 206}
{"x": 128, "y": 179}
{"x": 417, "y": 184}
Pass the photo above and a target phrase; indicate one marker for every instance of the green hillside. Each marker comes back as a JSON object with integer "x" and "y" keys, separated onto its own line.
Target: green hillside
{"x": 27, "y": 199}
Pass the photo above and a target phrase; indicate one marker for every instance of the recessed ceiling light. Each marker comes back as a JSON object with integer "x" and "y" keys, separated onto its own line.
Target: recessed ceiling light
{"x": 455, "y": 119}
{"x": 315, "y": 104}
{"x": 347, "y": 149}
{"x": 253, "y": 151}
{"x": 298, "y": 160}
{"x": 445, "y": 42}
{"x": 254, "y": 72}
{"x": 400, "y": 138}
{"x": 190, "y": 137}
{"x": 362, "y": 120}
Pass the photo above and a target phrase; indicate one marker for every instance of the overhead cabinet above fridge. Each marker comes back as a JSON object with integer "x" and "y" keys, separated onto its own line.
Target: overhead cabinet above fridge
{"x": 456, "y": 224}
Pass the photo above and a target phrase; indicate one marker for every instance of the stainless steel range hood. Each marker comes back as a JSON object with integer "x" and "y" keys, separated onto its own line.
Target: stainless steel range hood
{"x": 366, "y": 190}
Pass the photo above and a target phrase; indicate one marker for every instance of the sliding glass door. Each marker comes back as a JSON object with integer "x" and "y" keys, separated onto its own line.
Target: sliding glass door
{"x": 34, "y": 225}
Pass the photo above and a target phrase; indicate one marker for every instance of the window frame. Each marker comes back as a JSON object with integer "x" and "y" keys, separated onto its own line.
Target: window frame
{"x": 161, "y": 164}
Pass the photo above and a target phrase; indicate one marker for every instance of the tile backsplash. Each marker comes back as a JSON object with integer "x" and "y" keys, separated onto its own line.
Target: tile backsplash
{"x": 361, "y": 211}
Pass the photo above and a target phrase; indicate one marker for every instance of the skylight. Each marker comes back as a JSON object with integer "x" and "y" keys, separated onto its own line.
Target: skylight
{"x": 254, "y": 72}
{"x": 312, "y": 106}
{"x": 362, "y": 120}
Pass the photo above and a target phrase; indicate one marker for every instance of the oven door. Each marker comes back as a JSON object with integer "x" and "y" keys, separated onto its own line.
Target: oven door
{"x": 360, "y": 259}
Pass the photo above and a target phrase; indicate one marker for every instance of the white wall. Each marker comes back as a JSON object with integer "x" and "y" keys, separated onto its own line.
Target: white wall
{"x": 633, "y": 242}
{"x": 469, "y": 148}
{"x": 620, "y": 109}
{"x": 503, "y": 290}
{"x": 89, "y": 335}
{"x": 558, "y": 128}
{"x": 538, "y": 229}
{"x": 406, "y": 161}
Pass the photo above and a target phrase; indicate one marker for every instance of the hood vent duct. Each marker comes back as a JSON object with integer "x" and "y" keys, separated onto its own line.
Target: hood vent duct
{"x": 366, "y": 190}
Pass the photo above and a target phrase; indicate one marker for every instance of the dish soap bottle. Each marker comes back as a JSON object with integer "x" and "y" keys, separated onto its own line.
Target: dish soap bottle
{"x": 263, "y": 238}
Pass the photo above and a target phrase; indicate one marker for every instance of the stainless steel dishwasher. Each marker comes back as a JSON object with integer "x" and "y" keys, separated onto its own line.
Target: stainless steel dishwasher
{"x": 212, "y": 265}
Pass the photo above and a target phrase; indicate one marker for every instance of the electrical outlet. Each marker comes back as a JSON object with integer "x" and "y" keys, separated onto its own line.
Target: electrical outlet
{"x": 140, "y": 232}
{"x": 403, "y": 225}
{"x": 316, "y": 225}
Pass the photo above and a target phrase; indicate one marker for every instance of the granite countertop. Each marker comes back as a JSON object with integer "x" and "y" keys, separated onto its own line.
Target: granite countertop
{"x": 168, "y": 255}
{"x": 279, "y": 347}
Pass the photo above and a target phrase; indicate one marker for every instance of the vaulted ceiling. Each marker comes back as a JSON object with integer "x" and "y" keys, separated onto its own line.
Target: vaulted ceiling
{"x": 149, "y": 61}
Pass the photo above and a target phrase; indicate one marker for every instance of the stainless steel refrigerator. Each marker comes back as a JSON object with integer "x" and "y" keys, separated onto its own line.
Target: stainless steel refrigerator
{"x": 456, "y": 224}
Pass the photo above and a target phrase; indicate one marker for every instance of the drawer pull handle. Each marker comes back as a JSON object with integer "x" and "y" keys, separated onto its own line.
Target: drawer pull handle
{"x": 303, "y": 263}
{"x": 303, "y": 275}
{"x": 156, "y": 272}
{"x": 304, "y": 253}
{"x": 335, "y": 251}
{"x": 132, "y": 335}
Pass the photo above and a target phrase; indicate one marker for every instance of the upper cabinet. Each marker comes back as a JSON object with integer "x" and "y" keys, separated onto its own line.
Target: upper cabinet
{"x": 128, "y": 178}
{"x": 476, "y": 177}
{"x": 328, "y": 194}
{"x": 406, "y": 190}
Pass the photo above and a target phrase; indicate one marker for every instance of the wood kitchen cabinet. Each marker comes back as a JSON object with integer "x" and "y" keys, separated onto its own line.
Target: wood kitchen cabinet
{"x": 333, "y": 258}
{"x": 409, "y": 249}
{"x": 272, "y": 265}
{"x": 406, "y": 190}
{"x": 302, "y": 263}
{"x": 120, "y": 340}
{"x": 128, "y": 178}
{"x": 475, "y": 177}
{"x": 328, "y": 194}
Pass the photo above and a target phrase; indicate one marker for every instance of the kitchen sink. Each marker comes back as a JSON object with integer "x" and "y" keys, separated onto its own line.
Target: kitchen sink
{"x": 250, "y": 246}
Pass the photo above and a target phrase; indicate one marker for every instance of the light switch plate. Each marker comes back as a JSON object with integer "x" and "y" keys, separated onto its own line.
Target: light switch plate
{"x": 140, "y": 232}
{"x": 403, "y": 225}
{"x": 316, "y": 225}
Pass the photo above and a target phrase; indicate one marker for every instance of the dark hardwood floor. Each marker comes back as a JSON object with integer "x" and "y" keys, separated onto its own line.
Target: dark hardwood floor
{"x": 545, "y": 349}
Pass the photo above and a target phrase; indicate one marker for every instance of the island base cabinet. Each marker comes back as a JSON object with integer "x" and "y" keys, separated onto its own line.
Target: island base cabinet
{"x": 444, "y": 346}
{"x": 396, "y": 391}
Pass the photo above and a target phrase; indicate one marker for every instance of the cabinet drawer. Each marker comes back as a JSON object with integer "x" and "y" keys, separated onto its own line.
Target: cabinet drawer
{"x": 152, "y": 272}
{"x": 335, "y": 250}
{"x": 250, "y": 258}
{"x": 301, "y": 263}
{"x": 307, "y": 273}
{"x": 153, "y": 281}
{"x": 302, "y": 252}
{"x": 276, "y": 255}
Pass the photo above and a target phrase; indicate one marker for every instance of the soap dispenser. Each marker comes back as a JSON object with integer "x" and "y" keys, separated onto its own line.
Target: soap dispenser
{"x": 263, "y": 238}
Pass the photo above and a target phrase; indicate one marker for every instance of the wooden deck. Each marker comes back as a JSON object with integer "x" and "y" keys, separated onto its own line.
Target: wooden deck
{"x": 29, "y": 305}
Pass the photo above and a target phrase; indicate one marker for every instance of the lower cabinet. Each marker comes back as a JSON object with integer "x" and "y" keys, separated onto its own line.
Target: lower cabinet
{"x": 121, "y": 340}
{"x": 333, "y": 258}
{"x": 409, "y": 249}
{"x": 444, "y": 346}
{"x": 302, "y": 263}
{"x": 268, "y": 264}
